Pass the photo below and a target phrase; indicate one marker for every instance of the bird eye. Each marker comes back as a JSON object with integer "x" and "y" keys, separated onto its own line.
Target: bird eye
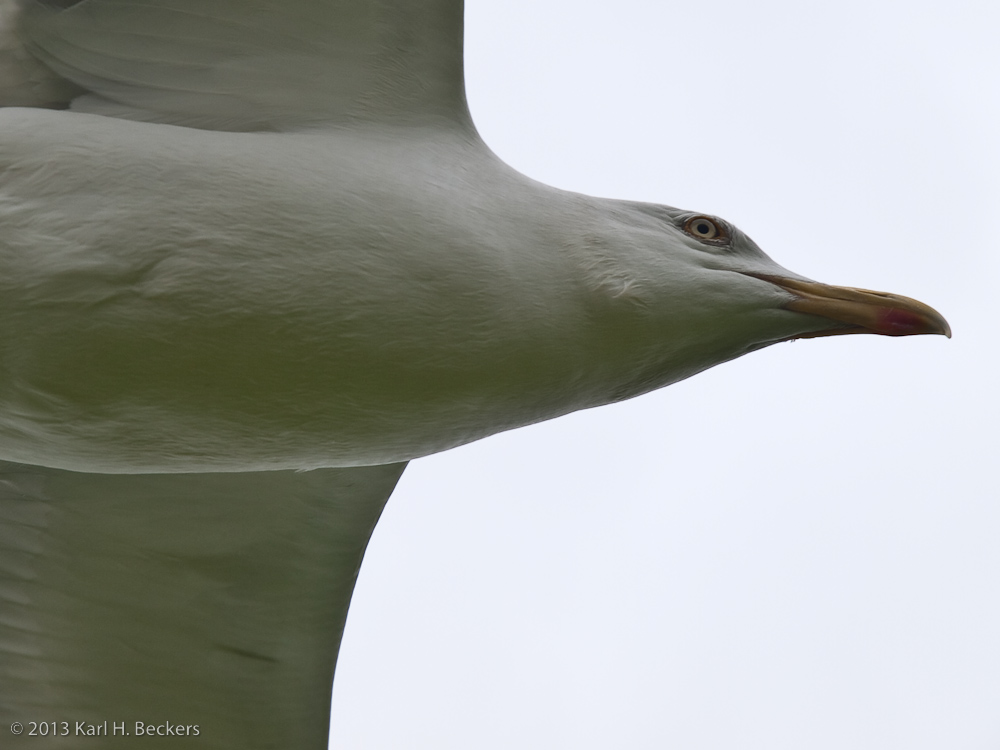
{"x": 704, "y": 229}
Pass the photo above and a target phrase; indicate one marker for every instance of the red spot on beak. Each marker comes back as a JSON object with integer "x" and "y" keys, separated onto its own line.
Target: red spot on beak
{"x": 896, "y": 322}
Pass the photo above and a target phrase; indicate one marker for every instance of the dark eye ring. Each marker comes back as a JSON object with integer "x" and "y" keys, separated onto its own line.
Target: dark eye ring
{"x": 704, "y": 228}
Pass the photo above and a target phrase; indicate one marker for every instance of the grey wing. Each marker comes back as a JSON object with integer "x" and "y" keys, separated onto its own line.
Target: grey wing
{"x": 212, "y": 603}
{"x": 237, "y": 64}
{"x": 24, "y": 80}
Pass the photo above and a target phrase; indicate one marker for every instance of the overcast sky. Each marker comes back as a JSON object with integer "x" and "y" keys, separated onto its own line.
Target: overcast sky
{"x": 798, "y": 549}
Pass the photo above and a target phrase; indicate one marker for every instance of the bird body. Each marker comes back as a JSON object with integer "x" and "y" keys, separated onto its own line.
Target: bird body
{"x": 178, "y": 299}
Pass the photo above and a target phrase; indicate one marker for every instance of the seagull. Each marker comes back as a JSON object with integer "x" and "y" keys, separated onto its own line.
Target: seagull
{"x": 254, "y": 258}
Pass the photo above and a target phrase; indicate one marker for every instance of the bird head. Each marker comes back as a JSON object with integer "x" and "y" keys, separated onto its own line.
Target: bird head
{"x": 685, "y": 291}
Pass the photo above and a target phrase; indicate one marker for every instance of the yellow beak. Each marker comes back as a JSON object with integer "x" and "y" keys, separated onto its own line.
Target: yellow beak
{"x": 859, "y": 310}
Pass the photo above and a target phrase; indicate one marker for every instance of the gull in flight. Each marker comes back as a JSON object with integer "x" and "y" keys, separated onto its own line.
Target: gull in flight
{"x": 254, "y": 258}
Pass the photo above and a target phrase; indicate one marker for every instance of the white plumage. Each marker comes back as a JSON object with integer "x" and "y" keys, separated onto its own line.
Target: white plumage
{"x": 268, "y": 238}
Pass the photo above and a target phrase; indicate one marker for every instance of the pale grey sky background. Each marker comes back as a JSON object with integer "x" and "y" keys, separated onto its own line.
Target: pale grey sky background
{"x": 799, "y": 549}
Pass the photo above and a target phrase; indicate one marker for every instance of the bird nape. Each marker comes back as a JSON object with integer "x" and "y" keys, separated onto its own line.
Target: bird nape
{"x": 253, "y": 260}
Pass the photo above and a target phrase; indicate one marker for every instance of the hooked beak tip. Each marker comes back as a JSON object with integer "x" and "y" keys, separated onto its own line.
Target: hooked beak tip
{"x": 859, "y": 310}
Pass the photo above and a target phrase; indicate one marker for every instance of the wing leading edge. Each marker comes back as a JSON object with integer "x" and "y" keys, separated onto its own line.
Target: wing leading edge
{"x": 214, "y": 601}
{"x": 238, "y": 64}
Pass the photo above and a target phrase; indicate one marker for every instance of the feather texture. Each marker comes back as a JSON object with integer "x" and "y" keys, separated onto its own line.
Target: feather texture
{"x": 237, "y": 64}
{"x": 208, "y": 600}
